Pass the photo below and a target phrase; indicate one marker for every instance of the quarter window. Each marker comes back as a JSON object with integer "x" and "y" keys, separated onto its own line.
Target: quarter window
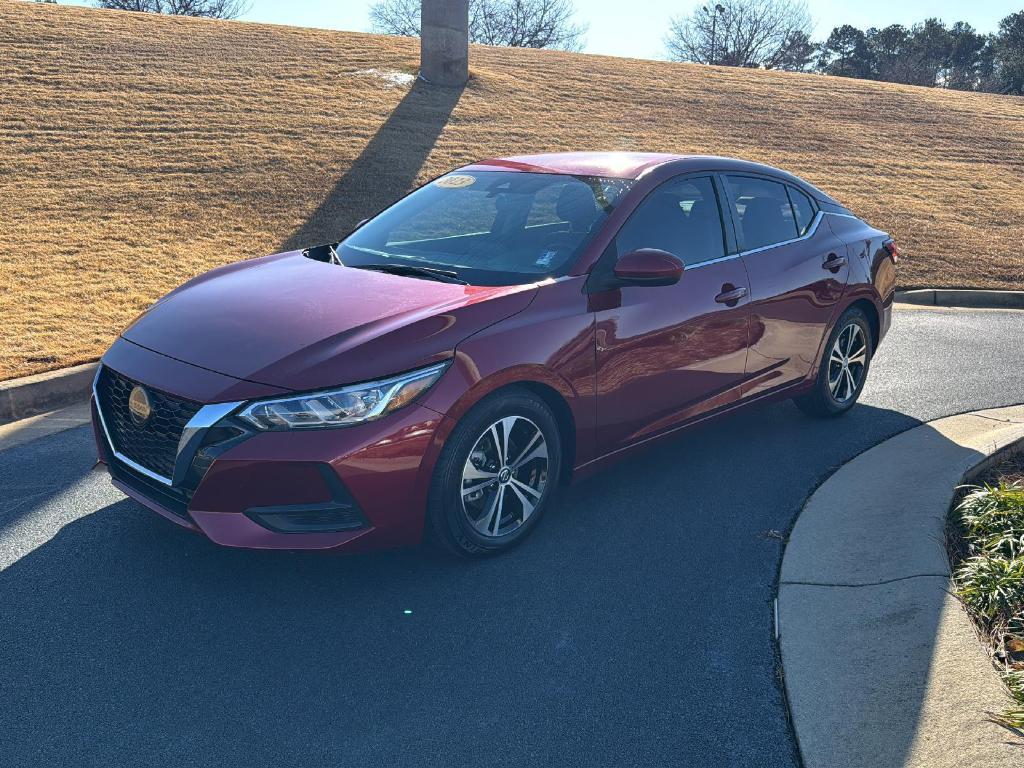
{"x": 681, "y": 217}
{"x": 803, "y": 209}
{"x": 763, "y": 211}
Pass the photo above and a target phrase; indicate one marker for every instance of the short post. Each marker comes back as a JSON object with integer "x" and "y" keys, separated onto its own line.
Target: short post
{"x": 444, "y": 42}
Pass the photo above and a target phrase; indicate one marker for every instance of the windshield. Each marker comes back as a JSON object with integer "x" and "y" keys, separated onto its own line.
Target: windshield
{"x": 488, "y": 227}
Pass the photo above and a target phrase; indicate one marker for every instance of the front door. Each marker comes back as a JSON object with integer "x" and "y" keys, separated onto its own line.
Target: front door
{"x": 667, "y": 354}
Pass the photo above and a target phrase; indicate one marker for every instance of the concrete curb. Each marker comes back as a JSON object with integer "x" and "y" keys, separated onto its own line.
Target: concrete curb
{"x": 32, "y": 395}
{"x": 882, "y": 666}
{"x": 25, "y": 431}
{"x": 962, "y": 297}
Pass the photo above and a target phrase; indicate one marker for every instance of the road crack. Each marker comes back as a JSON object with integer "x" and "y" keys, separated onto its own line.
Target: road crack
{"x": 865, "y": 584}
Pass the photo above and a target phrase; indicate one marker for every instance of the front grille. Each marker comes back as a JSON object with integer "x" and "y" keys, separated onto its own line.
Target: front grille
{"x": 154, "y": 443}
{"x": 174, "y": 500}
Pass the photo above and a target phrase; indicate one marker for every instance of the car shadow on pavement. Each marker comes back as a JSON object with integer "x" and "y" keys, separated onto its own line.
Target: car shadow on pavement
{"x": 642, "y": 603}
{"x": 38, "y": 473}
{"x": 386, "y": 169}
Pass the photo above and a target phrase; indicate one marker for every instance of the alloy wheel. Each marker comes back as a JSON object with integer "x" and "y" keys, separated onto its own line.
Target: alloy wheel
{"x": 504, "y": 477}
{"x": 847, "y": 363}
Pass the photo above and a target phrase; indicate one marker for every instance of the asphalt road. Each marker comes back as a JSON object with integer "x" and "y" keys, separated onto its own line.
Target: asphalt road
{"x": 634, "y": 628}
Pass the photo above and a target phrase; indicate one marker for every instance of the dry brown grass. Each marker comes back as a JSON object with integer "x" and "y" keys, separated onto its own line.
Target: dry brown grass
{"x": 138, "y": 151}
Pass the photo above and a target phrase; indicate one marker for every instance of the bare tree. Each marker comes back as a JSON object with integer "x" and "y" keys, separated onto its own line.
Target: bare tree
{"x": 401, "y": 17}
{"x": 742, "y": 33}
{"x": 211, "y": 9}
{"x": 518, "y": 23}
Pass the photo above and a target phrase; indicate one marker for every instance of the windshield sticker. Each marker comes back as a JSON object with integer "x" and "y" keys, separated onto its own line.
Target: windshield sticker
{"x": 456, "y": 181}
{"x": 546, "y": 258}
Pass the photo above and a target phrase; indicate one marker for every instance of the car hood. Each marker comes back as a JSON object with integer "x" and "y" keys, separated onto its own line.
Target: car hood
{"x": 292, "y": 322}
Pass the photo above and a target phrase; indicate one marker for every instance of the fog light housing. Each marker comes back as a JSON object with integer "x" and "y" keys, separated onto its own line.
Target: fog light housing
{"x": 308, "y": 518}
{"x": 338, "y": 514}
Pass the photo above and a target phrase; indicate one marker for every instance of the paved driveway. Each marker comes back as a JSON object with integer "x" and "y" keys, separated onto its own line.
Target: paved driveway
{"x": 635, "y": 628}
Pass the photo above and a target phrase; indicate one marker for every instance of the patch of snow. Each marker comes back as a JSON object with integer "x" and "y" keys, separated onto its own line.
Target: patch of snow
{"x": 392, "y": 79}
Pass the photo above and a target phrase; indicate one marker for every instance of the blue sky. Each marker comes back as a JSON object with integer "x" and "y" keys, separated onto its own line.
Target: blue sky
{"x": 621, "y": 29}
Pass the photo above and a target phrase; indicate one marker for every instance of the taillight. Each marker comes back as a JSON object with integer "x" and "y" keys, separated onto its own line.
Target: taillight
{"x": 892, "y": 249}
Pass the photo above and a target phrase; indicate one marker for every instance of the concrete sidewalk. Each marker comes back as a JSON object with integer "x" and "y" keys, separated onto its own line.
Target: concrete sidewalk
{"x": 882, "y": 666}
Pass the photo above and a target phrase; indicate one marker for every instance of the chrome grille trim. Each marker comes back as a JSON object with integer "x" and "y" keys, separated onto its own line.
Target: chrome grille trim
{"x": 188, "y": 444}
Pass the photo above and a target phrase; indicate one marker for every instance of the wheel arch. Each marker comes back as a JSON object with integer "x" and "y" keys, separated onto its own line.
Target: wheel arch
{"x": 468, "y": 386}
{"x": 874, "y": 319}
{"x": 869, "y": 306}
{"x": 564, "y": 418}
{"x": 553, "y": 399}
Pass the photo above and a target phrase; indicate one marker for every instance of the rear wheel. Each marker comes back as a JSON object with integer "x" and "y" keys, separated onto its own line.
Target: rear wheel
{"x": 495, "y": 475}
{"x": 844, "y": 367}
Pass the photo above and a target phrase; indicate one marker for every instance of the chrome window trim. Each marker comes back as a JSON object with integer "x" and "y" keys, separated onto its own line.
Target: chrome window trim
{"x": 188, "y": 444}
{"x": 811, "y": 231}
{"x": 719, "y": 260}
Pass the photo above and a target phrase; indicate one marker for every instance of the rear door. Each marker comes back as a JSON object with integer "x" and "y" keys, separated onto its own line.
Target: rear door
{"x": 798, "y": 271}
{"x": 667, "y": 354}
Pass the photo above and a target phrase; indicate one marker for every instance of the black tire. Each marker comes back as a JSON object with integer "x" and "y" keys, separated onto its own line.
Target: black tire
{"x": 821, "y": 401}
{"x": 449, "y": 523}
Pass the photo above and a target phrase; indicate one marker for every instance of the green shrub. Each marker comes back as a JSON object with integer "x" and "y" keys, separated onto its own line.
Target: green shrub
{"x": 991, "y": 586}
{"x": 992, "y": 519}
{"x": 1015, "y": 682}
{"x": 989, "y": 536}
{"x": 1013, "y": 718}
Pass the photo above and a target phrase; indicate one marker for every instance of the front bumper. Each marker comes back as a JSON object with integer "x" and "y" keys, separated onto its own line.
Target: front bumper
{"x": 353, "y": 488}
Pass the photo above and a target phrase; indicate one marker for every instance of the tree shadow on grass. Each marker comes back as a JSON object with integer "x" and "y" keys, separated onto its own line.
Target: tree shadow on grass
{"x": 386, "y": 169}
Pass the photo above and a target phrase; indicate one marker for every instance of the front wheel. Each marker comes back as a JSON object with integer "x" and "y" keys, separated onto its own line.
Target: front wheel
{"x": 844, "y": 367}
{"x": 495, "y": 475}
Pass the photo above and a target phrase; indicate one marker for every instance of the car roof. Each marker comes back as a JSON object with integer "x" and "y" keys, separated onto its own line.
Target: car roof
{"x": 633, "y": 165}
{"x": 624, "y": 165}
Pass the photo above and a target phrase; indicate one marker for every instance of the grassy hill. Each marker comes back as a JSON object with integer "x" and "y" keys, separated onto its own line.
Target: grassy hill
{"x": 139, "y": 150}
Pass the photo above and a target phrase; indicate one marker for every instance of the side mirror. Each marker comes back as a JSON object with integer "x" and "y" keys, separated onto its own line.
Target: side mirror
{"x": 649, "y": 266}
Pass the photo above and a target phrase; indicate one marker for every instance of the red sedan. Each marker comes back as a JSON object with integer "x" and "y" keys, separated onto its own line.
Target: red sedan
{"x": 507, "y": 327}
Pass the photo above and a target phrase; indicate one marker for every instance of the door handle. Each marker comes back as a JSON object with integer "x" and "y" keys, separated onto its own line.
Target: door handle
{"x": 730, "y": 295}
{"x": 834, "y": 263}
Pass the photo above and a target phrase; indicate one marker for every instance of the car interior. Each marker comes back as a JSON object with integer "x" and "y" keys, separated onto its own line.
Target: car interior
{"x": 681, "y": 220}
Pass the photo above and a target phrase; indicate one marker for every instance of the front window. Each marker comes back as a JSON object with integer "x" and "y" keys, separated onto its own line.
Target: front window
{"x": 488, "y": 227}
{"x": 681, "y": 217}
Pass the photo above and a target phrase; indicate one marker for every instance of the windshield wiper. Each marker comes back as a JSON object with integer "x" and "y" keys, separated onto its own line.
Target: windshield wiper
{"x": 441, "y": 275}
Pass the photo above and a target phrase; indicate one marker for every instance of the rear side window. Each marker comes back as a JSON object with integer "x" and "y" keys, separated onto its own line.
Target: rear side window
{"x": 763, "y": 211}
{"x": 681, "y": 217}
{"x": 803, "y": 210}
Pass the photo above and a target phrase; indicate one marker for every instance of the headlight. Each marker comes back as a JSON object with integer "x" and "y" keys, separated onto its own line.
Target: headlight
{"x": 345, "y": 406}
